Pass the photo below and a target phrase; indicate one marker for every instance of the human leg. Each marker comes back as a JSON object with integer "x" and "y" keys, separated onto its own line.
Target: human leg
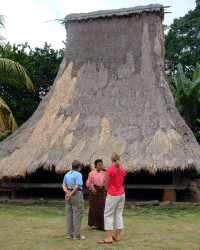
{"x": 96, "y": 208}
{"x": 110, "y": 206}
{"x": 118, "y": 217}
{"x": 117, "y": 235}
{"x": 78, "y": 209}
{"x": 91, "y": 214}
{"x": 69, "y": 213}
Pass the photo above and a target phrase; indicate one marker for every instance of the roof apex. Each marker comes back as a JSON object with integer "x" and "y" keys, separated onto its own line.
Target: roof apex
{"x": 115, "y": 12}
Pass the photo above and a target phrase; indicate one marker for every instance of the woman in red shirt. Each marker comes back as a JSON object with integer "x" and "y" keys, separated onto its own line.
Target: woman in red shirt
{"x": 115, "y": 199}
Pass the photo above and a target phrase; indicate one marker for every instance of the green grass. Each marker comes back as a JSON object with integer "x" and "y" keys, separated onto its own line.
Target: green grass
{"x": 43, "y": 227}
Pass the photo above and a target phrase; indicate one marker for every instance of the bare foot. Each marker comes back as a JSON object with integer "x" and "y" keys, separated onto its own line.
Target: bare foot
{"x": 115, "y": 239}
{"x": 105, "y": 242}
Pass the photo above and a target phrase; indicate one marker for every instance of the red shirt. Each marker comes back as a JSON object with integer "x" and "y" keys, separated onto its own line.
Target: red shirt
{"x": 115, "y": 185}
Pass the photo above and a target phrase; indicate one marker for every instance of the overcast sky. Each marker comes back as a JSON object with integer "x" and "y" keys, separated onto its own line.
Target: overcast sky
{"x": 25, "y": 19}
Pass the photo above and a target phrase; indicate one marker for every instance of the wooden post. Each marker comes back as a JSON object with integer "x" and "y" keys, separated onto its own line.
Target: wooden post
{"x": 176, "y": 177}
{"x": 169, "y": 195}
{"x": 14, "y": 194}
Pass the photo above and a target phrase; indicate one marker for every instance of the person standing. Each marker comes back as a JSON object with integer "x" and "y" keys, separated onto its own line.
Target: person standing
{"x": 74, "y": 206}
{"x": 115, "y": 199}
{"x": 97, "y": 196}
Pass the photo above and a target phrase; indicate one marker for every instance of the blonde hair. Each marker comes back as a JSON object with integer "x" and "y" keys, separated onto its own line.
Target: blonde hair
{"x": 116, "y": 158}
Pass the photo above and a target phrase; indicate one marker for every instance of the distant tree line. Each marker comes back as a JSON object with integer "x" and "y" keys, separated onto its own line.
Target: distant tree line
{"x": 42, "y": 65}
{"x": 182, "y": 46}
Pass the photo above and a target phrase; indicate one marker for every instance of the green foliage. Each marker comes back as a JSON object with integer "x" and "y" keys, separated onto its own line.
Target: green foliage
{"x": 42, "y": 65}
{"x": 15, "y": 72}
{"x": 12, "y": 73}
{"x": 187, "y": 96}
{"x": 5, "y": 135}
{"x": 2, "y": 22}
{"x": 182, "y": 43}
{"x": 7, "y": 121}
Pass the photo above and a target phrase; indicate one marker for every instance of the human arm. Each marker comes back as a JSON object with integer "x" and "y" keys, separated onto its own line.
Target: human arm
{"x": 107, "y": 182}
{"x": 64, "y": 187}
{"x": 78, "y": 185}
{"x": 90, "y": 184}
{"x": 124, "y": 172}
{"x": 103, "y": 168}
{"x": 69, "y": 195}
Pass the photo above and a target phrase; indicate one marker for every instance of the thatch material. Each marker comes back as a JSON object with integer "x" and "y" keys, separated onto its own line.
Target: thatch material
{"x": 157, "y": 8}
{"x": 110, "y": 94}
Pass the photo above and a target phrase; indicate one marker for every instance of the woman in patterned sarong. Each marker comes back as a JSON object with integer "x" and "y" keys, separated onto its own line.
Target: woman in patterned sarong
{"x": 96, "y": 182}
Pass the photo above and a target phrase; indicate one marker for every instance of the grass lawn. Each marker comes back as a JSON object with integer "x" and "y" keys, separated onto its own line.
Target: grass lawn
{"x": 43, "y": 227}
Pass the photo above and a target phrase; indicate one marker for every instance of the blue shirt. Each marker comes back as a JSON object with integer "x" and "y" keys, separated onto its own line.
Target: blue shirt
{"x": 73, "y": 178}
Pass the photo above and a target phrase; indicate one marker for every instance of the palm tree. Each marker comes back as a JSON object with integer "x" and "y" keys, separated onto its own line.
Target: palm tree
{"x": 7, "y": 121}
{"x": 2, "y": 21}
{"x": 187, "y": 96}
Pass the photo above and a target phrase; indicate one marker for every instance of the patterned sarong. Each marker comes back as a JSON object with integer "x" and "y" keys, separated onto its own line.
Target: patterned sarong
{"x": 97, "y": 205}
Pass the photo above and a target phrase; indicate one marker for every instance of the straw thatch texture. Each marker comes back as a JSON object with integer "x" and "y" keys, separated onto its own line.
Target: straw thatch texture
{"x": 110, "y": 94}
{"x": 156, "y": 8}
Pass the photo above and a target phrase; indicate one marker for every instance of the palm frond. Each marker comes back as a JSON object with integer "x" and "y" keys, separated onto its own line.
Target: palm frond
{"x": 3, "y": 105}
{"x": 7, "y": 120}
{"x": 19, "y": 71}
{"x": 2, "y": 26}
{"x": 2, "y": 21}
{"x": 196, "y": 72}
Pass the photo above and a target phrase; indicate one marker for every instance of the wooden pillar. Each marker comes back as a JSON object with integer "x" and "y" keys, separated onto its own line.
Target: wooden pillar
{"x": 14, "y": 194}
{"x": 176, "y": 180}
{"x": 169, "y": 195}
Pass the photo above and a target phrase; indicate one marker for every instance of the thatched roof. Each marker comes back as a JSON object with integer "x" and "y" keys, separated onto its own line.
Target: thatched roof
{"x": 120, "y": 12}
{"x": 111, "y": 94}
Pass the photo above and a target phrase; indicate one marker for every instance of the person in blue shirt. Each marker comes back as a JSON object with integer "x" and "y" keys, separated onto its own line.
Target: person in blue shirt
{"x": 74, "y": 206}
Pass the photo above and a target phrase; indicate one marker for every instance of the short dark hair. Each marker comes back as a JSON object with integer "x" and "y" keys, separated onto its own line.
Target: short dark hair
{"x": 97, "y": 161}
{"x": 76, "y": 164}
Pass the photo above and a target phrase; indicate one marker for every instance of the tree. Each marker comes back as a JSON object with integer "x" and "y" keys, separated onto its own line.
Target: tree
{"x": 2, "y": 21}
{"x": 17, "y": 75}
{"x": 182, "y": 43}
{"x": 12, "y": 70}
{"x": 7, "y": 120}
{"x": 187, "y": 97}
{"x": 42, "y": 65}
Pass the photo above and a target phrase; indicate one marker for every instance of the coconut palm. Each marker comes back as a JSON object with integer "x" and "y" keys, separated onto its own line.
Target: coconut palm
{"x": 2, "y": 21}
{"x": 7, "y": 121}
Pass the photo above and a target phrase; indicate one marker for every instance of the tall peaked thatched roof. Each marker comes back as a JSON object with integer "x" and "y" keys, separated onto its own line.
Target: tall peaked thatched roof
{"x": 110, "y": 94}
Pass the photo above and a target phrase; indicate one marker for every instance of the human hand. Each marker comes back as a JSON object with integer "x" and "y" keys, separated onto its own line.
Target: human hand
{"x": 103, "y": 168}
{"x": 94, "y": 190}
{"x": 68, "y": 196}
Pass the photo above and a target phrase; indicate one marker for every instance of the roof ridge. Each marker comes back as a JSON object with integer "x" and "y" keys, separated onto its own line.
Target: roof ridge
{"x": 114, "y": 12}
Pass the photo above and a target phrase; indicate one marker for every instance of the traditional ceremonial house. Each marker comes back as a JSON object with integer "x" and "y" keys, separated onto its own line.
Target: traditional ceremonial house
{"x": 110, "y": 94}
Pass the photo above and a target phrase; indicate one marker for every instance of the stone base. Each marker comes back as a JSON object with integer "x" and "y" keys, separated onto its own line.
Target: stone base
{"x": 169, "y": 195}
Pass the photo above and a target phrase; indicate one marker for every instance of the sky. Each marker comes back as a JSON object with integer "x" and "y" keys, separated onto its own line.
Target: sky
{"x": 30, "y": 20}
